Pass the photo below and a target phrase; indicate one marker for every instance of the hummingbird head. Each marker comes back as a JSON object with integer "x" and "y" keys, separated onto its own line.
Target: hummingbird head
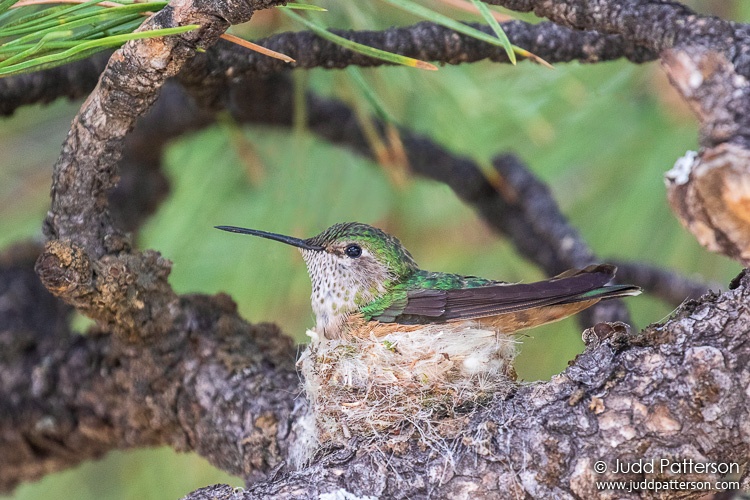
{"x": 350, "y": 264}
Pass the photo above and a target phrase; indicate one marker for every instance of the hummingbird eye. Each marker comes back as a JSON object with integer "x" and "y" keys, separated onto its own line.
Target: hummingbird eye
{"x": 353, "y": 251}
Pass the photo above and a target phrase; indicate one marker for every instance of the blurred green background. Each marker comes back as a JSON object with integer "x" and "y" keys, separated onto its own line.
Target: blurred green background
{"x": 601, "y": 135}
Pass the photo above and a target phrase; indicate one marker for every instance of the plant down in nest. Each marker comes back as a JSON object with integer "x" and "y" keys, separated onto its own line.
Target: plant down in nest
{"x": 386, "y": 389}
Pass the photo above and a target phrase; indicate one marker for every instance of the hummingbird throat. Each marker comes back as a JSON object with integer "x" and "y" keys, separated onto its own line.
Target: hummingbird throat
{"x": 339, "y": 289}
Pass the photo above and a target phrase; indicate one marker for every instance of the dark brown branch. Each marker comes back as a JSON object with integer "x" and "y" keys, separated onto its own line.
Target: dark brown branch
{"x": 425, "y": 40}
{"x": 708, "y": 61}
{"x": 431, "y": 42}
{"x": 66, "y": 398}
{"x": 73, "y": 81}
{"x": 667, "y": 285}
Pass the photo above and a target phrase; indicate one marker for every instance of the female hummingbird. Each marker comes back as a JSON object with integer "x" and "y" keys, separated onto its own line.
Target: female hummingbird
{"x": 364, "y": 282}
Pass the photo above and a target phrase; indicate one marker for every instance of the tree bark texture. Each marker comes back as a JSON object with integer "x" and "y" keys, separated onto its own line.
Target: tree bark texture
{"x": 675, "y": 391}
{"x": 188, "y": 372}
{"x": 708, "y": 61}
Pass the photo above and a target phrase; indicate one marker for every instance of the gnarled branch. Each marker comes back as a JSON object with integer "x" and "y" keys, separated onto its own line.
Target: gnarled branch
{"x": 186, "y": 371}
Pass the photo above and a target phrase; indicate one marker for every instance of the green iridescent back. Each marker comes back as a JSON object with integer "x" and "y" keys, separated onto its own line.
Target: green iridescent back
{"x": 441, "y": 281}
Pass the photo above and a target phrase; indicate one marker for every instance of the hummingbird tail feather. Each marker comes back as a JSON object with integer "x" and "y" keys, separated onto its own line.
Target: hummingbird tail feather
{"x": 610, "y": 292}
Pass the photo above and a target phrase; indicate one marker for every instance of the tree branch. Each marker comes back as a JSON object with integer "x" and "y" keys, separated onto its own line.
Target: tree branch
{"x": 67, "y": 398}
{"x": 424, "y": 40}
{"x": 73, "y": 81}
{"x": 186, "y": 371}
{"x": 88, "y": 261}
{"x": 708, "y": 61}
{"x": 673, "y": 392}
{"x": 431, "y": 42}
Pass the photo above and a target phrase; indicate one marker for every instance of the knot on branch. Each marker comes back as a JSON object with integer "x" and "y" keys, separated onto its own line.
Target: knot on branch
{"x": 710, "y": 193}
{"x": 615, "y": 332}
{"x": 65, "y": 269}
{"x": 128, "y": 291}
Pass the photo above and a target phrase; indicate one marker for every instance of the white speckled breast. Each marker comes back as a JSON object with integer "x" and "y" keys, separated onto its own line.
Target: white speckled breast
{"x": 332, "y": 289}
{"x": 338, "y": 283}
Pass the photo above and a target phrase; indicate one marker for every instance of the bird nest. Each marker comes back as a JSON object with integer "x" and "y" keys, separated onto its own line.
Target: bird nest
{"x": 388, "y": 388}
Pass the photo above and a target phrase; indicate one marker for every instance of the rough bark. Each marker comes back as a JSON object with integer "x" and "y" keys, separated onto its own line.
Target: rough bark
{"x": 708, "y": 61}
{"x": 424, "y": 40}
{"x": 227, "y": 390}
{"x": 188, "y": 372}
{"x": 674, "y": 391}
{"x": 432, "y": 42}
{"x": 68, "y": 398}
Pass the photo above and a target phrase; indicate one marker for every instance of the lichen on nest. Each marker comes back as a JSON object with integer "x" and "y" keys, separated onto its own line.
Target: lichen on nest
{"x": 415, "y": 381}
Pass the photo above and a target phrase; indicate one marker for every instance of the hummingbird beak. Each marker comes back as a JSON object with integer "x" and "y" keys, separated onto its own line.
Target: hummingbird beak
{"x": 289, "y": 240}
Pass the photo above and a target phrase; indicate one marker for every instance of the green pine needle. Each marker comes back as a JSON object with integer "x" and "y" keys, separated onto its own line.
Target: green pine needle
{"x": 358, "y": 47}
{"x": 487, "y": 15}
{"x": 438, "y": 18}
{"x": 36, "y": 37}
{"x": 80, "y": 50}
{"x": 303, "y": 6}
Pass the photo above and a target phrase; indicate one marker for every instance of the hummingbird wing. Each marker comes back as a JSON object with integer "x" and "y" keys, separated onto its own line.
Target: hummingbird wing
{"x": 391, "y": 307}
{"x": 443, "y": 303}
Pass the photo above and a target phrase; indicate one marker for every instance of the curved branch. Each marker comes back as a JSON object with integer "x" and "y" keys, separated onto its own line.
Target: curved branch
{"x": 127, "y": 88}
{"x": 88, "y": 261}
{"x": 431, "y": 42}
{"x": 424, "y": 40}
{"x": 67, "y": 398}
{"x": 674, "y": 392}
{"x": 230, "y": 392}
{"x": 667, "y": 285}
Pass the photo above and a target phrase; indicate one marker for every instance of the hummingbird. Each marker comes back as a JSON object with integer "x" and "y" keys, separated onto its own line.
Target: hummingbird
{"x": 364, "y": 283}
